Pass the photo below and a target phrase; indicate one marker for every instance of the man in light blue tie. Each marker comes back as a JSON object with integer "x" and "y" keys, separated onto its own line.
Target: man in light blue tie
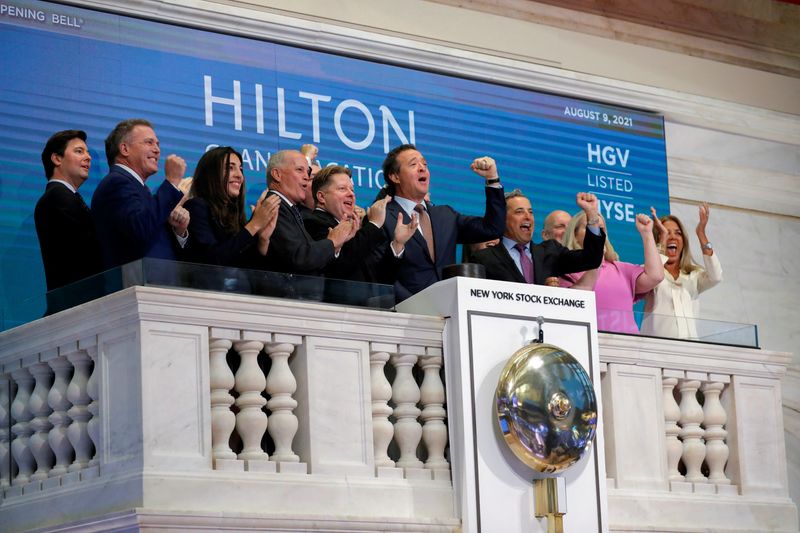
{"x": 517, "y": 258}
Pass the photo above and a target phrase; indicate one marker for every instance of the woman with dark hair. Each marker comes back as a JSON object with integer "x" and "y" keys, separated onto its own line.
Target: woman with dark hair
{"x": 673, "y": 306}
{"x": 219, "y": 233}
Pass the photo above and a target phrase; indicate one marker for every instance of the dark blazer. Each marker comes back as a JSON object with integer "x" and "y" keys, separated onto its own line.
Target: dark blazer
{"x": 209, "y": 243}
{"x": 67, "y": 239}
{"x": 550, "y": 258}
{"x": 416, "y": 270}
{"x": 291, "y": 248}
{"x": 356, "y": 260}
{"x": 131, "y": 222}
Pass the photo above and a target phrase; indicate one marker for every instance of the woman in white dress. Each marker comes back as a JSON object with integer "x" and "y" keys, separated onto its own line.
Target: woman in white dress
{"x": 672, "y": 307}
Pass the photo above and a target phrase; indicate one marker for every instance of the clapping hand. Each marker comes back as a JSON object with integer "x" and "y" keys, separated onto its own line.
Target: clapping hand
{"x": 377, "y": 211}
{"x": 179, "y": 220}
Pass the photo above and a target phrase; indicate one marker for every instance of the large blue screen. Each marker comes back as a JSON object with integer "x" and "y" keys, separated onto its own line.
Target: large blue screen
{"x": 65, "y": 68}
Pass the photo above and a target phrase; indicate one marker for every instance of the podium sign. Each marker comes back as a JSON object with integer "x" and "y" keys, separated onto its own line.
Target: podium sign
{"x": 486, "y": 322}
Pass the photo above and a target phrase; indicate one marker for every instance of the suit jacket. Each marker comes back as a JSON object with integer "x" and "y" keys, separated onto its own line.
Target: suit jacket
{"x": 209, "y": 243}
{"x": 67, "y": 239}
{"x": 131, "y": 222}
{"x": 550, "y": 258}
{"x": 356, "y": 260}
{"x": 416, "y": 270}
{"x": 292, "y": 249}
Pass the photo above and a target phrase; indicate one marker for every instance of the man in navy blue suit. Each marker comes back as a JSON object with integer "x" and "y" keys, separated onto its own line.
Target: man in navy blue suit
{"x": 440, "y": 226}
{"x": 70, "y": 251}
{"x": 131, "y": 221}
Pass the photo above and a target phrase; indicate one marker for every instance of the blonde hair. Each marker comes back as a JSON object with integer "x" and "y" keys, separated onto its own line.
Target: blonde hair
{"x": 571, "y": 241}
{"x": 686, "y": 261}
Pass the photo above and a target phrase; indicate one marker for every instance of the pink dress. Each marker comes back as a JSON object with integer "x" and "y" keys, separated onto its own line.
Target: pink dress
{"x": 615, "y": 294}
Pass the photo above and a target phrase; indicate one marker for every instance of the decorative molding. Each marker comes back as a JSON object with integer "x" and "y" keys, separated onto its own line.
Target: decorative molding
{"x": 692, "y": 356}
{"x": 481, "y": 65}
{"x": 734, "y": 186}
{"x": 716, "y": 32}
{"x": 222, "y": 310}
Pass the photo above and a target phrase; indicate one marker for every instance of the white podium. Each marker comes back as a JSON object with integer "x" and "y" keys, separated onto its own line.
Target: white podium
{"x": 486, "y": 322}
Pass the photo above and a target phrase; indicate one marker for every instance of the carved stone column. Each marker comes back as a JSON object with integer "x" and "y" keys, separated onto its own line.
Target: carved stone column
{"x": 714, "y": 420}
{"x": 434, "y": 432}
{"x": 251, "y": 420}
{"x": 223, "y": 421}
{"x": 40, "y": 424}
{"x": 57, "y": 399}
{"x": 382, "y": 428}
{"x": 281, "y": 385}
{"x": 406, "y": 395}
{"x": 21, "y": 416}
{"x": 672, "y": 413}
{"x": 694, "y": 450}
{"x": 79, "y": 413}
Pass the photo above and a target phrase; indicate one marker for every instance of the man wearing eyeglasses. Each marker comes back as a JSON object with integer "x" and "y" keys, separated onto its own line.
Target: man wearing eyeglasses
{"x": 291, "y": 248}
{"x": 131, "y": 221}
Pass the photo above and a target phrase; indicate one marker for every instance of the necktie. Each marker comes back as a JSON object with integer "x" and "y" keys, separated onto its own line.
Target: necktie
{"x": 427, "y": 229}
{"x": 525, "y": 263}
{"x": 297, "y": 217}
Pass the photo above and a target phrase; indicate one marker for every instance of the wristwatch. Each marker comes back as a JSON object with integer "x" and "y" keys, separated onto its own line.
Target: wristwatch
{"x": 708, "y": 246}
{"x": 493, "y": 181}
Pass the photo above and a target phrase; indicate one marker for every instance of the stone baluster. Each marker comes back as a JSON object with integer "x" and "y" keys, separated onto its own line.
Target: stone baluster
{"x": 694, "y": 450}
{"x": 21, "y": 415}
{"x": 5, "y": 433}
{"x": 672, "y": 413}
{"x": 251, "y": 420}
{"x": 40, "y": 424}
{"x": 714, "y": 418}
{"x": 93, "y": 391}
{"x": 223, "y": 421}
{"x": 434, "y": 432}
{"x": 57, "y": 399}
{"x": 406, "y": 395}
{"x": 382, "y": 428}
{"x": 280, "y": 386}
{"x": 77, "y": 432}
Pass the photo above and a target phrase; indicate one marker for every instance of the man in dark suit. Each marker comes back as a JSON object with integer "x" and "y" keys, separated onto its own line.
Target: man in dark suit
{"x": 67, "y": 239}
{"x": 440, "y": 226}
{"x": 517, "y": 258}
{"x": 131, "y": 221}
{"x": 336, "y": 201}
{"x": 291, "y": 248}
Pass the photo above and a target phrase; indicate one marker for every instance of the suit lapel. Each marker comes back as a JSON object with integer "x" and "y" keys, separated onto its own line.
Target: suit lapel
{"x": 417, "y": 238}
{"x": 537, "y": 252}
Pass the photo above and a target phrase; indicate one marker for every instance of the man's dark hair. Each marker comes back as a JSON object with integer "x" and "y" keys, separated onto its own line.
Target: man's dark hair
{"x": 119, "y": 134}
{"x": 323, "y": 177}
{"x": 57, "y": 144}
{"x": 391, "y": 166}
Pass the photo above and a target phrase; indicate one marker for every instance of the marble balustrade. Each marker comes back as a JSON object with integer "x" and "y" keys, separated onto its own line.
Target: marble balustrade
{"x": 176, "y": 400}
{"x": 175, "y": 408}
{"x": 694, "y": 436}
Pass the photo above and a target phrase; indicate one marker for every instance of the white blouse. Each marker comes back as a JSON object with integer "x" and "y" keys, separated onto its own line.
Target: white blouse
{"x": 671, "y": 308}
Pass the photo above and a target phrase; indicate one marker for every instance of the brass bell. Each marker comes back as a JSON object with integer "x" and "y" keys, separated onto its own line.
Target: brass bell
{"x": 546, "y": 407}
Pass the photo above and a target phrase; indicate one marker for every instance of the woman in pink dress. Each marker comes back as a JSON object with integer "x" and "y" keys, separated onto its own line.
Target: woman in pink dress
{"x": 619, "y": 285}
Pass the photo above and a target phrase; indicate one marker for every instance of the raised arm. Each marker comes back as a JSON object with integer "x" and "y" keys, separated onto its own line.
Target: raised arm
{"x": 653, "y": 268}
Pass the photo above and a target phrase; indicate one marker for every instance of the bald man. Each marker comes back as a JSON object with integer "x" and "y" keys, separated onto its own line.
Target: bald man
{"x": 555, "y": 225}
